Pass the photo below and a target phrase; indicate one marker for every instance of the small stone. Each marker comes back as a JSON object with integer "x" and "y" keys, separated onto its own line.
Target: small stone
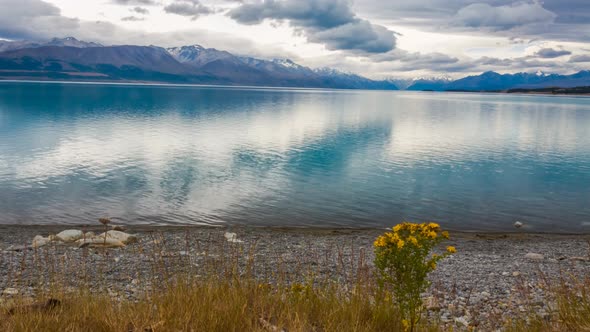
{"x": 518, "y": 224}
{"x": 17, "y": 248}
{"x": 505, "y": 274}
{"x": 580, "y": 259}
{"x": 534, "y": 257}
{"x": 516, "y": 274}
{"x": 10, "y": 291}
{"x": 232, "y": 237}
{"x": 432, "y": 303}
{"x": 485, "y": 294}
{"x": 462, "y": 320}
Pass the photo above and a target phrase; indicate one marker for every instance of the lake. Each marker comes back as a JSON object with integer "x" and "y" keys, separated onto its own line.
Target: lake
{"x": 162, "y": 155}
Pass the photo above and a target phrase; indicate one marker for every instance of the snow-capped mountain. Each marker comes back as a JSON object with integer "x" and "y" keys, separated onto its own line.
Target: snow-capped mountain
{"x": 67, "y": 41}
{"x": 69, "y": 58}
{"x": 282, "y": 72}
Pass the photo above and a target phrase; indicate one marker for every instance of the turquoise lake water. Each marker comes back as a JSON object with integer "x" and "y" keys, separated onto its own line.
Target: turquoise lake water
{"x": 71, "y": 153}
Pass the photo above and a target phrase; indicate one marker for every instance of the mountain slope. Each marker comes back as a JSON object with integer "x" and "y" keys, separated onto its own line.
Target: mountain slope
{"x": 276, "y": 72}
{"x": 111, "y": 62}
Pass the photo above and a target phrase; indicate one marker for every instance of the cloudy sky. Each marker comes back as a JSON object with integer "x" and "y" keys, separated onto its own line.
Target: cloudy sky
{"x": 375, "y": 38}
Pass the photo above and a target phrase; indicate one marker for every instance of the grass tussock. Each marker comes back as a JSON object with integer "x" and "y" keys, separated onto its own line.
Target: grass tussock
{"x": 211, "y": 305}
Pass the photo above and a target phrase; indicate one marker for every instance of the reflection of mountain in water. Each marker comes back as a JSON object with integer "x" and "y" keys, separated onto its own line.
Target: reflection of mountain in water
{"x": 284, "y": 157}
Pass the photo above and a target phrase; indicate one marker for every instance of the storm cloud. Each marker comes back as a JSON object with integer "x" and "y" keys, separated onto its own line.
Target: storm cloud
{"x": 329, "y": 22}
{"x": 580, "y": 58}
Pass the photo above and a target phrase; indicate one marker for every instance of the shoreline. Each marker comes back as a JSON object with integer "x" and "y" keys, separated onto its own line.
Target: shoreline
{"x": 297, "y": 229}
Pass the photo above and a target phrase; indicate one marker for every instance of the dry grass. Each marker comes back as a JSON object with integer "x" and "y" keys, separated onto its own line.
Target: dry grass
{"x": 227, "y": 291}
{"x": 210, "y": 305}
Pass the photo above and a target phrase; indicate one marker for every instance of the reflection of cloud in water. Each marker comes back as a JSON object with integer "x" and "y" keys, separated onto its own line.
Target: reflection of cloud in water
{"x": 465, "y": 130}
{"x": 273, "y": 157}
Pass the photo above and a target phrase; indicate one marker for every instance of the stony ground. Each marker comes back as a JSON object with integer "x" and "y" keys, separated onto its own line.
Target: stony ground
{"x": 491, "y": 278}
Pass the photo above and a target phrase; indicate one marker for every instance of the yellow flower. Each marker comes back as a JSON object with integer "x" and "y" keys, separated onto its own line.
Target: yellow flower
{"x": 433, "y": 265}
{"x": 405, "y": 324}
{"x": 432, "y": 234}
{"x": 445, "y": 234}
{"x": 380, "y": 242}
{"x": 451, "y": 250}
{"x": 397, "y": 227}
{"x": 400, "y": 244}
{"x": 413, "y": 240}
{"x": 434, "y": 226}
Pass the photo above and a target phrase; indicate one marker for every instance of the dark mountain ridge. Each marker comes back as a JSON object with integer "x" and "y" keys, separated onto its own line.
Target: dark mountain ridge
{"x": 186, "y": 64}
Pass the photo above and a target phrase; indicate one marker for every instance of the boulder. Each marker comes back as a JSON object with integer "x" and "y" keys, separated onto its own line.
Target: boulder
{"x": 40, "y": 241}
{"x": 70, "y": 235}
{"x": 119, "y": 236}
{"x": 97, "y": 242}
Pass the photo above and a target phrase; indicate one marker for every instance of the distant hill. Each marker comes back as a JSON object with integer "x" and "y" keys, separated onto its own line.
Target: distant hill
{"x": 492, "y": 81}
{"x": 71, "y": 59}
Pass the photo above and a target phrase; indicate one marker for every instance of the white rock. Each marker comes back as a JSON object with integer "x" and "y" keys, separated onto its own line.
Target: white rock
{"x": 534, "y": 257}
{"x": 516, "y": 274}
{"x": 119, "y": 236}
{"x": 40, "y": 241}
{"x": 518, "y": 224}
{"x": 89, "y": 235}
{"x": 70, "y": 235}
{"x": 232, "y": 237}
{"x": 97, "y": 242}
{"x": 10, "y": 291}
{"x": 462, "y": 321}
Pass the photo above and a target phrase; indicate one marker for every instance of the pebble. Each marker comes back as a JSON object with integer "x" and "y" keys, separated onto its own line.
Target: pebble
{"x": 534, "y": 256}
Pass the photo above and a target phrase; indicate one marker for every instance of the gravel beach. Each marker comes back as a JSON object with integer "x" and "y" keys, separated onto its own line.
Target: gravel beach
{"x": 491, "y": 278}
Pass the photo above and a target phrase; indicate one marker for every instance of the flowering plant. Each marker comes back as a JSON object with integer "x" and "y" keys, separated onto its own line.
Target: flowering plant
{"x": 403, "y": 261}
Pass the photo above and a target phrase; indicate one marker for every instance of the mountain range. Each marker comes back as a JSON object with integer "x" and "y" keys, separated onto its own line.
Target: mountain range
{"x": 72, "y": 59}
